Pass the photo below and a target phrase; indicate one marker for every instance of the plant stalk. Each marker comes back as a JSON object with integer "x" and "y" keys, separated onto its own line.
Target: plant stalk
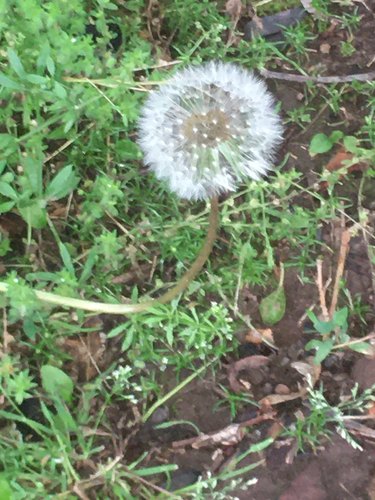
{"x": 182, "y": 284}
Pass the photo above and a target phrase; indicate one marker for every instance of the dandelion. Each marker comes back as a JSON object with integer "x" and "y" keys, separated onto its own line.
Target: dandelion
{"x": 208, "y": 129}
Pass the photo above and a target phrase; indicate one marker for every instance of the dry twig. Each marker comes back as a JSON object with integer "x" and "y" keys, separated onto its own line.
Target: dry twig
{"x": 292, "y": 77}
{"x": 321, "y": 289}
{"x": 344, "y": 247}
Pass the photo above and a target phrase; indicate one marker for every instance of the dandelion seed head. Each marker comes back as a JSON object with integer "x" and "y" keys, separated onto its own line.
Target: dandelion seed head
{"x": 208, "y": 129}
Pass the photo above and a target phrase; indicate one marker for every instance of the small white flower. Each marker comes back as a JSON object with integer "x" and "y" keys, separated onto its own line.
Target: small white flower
{"x": 209, "y": 128}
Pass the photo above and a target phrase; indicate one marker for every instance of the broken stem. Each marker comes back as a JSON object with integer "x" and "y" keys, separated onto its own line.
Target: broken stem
{"x": 182, "y": 284}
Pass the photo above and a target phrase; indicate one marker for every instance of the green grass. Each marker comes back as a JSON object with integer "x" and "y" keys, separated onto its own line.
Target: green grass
{"x": 71, "y": 172}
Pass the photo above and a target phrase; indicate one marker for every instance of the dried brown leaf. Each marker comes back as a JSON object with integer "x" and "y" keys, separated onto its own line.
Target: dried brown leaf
{"x": 325, "y": 48}
{"x": 234, "y": 9}
{"x": 357, "y": 428}
{"x": 244, "y": 364}
{"x": 258, "y": 336}
{"x": 230, "y": 435}
{"x": 308, "y": 370}
{"x": 87, "y": 355}
{"x": 275, "y": 399}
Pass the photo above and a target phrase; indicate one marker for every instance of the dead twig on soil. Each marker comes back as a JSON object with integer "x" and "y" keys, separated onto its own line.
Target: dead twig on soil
{"x": 6, "y": 337}
{"x": 230, "y": 435}
{"x": 363, "y": 216}
{"x": 359, "y": 429}
{"x": 322, "y": 289}
{"x": 292, "y": 77}
{"x": 344, "y": 247}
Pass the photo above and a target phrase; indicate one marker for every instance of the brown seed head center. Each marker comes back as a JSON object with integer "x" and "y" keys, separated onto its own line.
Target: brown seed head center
{"x": 207, "y": 129}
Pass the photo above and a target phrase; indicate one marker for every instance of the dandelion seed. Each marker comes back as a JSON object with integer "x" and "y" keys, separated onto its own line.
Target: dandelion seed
{"x": 218, "y": 116}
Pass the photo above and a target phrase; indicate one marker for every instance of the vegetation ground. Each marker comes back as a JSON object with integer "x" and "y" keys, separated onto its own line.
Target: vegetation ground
{"x": 200, "y": 398}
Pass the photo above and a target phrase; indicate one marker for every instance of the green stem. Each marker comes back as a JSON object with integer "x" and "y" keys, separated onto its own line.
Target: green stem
{"x": 182, "y": 284}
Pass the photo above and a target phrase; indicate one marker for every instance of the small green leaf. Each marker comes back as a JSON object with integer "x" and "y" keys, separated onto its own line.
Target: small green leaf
{"x": 351, "y": 143}
{"x": 169, "y": 334}
{"x": 8, "y": 83}
{"x": 323, "y": 350}
{"x": 62, "y": 184}
{"x": 336, "y": 135}
{"x": 322, "y": 327}
{"x": 57, "y": 383}
{"x": 33, "y": 168}
{"x": 7, "y": 191}
{"x": 50, "y": 66}
{"x": 362, "y": 347}
{"x": 8, "y": 143}
{"x": 36, "y": 79}
{"x": 89, "y": 264}
{"x": 312, "y": 344}
{"x": 340, "y": 317}
{"x": 272, "y": 308}
{"x": 320, "y": 143}
{"x": 66, "y": 258}
{"x": 3, "y": 165}
{"x": 5, "y": 490}
{"x": 6, "y": 206}
{"x": 29, "y": 327}
{"x": 117, "y": 330}
{"x": 15, "y": 63}
{"x": 34, "y": 214}
{"x": 22, "y": 299}
{"x": 128, "y": 150}
{"x": 60, "y": 90}
{"x": 128, "y": 340}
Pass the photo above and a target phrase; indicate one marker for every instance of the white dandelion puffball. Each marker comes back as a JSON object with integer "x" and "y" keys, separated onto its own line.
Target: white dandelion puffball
{"x": 209, "y": 128}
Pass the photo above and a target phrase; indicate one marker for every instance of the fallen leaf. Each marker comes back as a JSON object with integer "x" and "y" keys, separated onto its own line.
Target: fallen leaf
{"x": 244, "y": 364}
{"x": 87, "y": 353}
{"x": 325, "y": 48}
{"x": 275, "y": 430}
{"x": 371, "y": 410}
{"x": 308, "y": 370}
{"x": 254, "y": 336}
{"x": 234, "y": 9}
{"x": 337, "y": 162}
{"x": 230, "y": 435}
{"x": 357, "y": 428}
{"x": 275, "y": 399}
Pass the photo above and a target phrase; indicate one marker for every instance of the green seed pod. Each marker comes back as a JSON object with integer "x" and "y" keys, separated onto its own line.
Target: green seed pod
{"x": 272, "y": 308}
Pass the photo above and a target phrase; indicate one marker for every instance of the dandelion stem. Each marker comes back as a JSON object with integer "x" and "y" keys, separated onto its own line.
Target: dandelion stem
{"x": 182, "y": 284}
{"x": 202, "y": 257}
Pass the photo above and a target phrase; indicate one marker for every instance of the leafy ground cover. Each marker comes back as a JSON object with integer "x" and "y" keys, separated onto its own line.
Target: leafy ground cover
{"x": 215, "y": 395}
